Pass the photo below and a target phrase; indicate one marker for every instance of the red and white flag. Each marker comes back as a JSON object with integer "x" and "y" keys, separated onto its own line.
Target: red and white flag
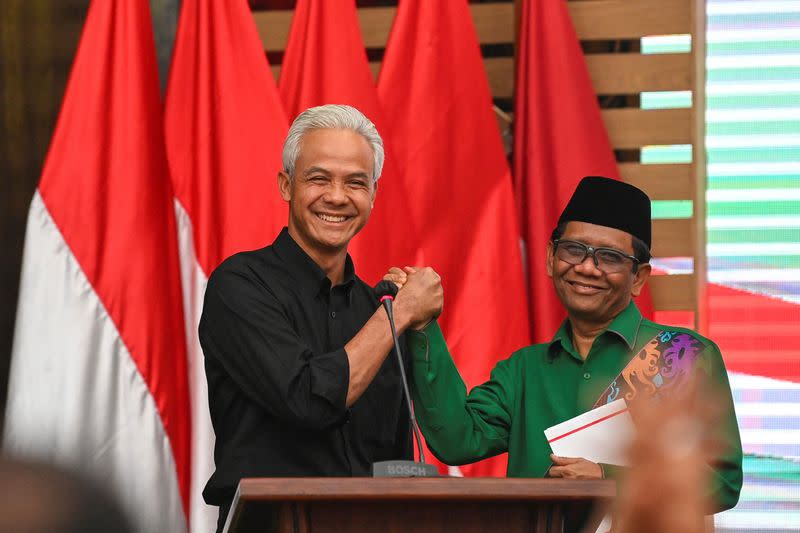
{"x": 225, "y": 128}
{"x": 559, "y": 137}
{"x": 98, "y": 374}
{"x": 436, "y": 96}
{"x": 326, "y": 63}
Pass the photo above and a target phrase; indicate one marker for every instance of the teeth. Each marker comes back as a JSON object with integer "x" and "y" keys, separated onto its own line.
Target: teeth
{"x": 585, "y": 285}
{"x": 331, "y": 218}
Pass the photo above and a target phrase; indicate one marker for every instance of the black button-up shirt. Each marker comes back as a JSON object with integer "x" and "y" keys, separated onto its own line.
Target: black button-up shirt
{"x": 273, "y": 332}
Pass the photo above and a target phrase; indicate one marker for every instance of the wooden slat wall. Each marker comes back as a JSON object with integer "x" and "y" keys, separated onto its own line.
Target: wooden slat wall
{"x": 621, "y": 75}
{"x": 631, "y": 128}
{"x": 630, "y": 19}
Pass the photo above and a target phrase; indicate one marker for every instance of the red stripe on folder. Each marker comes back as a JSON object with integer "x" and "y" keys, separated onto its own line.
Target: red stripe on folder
{"x": 568, "y": 433}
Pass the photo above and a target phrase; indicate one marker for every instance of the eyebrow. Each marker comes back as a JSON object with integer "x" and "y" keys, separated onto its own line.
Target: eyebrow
{"x": 312, "y": 170}
{"x": 358, "y": 175}
{"x": 602, "y": 245}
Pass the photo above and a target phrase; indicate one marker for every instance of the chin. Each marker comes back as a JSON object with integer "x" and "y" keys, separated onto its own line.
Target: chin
{"x": 333, "y": 245}
{"x": 580, "y": 301}
{"x": 332, "y": 238}
{"x": 583, "y": 308}
{"x": 584, "y": 311}
{"x": 340, "y": 240}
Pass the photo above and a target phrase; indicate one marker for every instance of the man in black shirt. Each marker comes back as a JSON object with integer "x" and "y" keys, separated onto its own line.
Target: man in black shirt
{"x": 295, "y": 343}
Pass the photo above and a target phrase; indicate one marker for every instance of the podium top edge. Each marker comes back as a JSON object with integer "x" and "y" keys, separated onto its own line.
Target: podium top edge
{"x": 449, "y": 488}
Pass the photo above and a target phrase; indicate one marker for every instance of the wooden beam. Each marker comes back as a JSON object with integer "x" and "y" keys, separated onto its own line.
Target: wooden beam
{"x": 499, "y": 71}
{"x": 626, "y": 19}
{"x": 494, "y": 24}
{"x": 699, "y": 150}
{"x": 660, "y": 182}
{"x": 634, "y": 128}
{"x": 635, "y": 73}
{"x": 673, "y": 238}
{"x": 673, "y": 293}
{"x": 611, "y": 73}
{"x": 273, "y": 28}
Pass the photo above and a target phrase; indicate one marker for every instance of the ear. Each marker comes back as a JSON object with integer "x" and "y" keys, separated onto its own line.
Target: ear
{"x": 642, "y": 273}
{"x": 550, "y": 259}
{"x": 285, "y": 185}
{"x": 374, "y": 192}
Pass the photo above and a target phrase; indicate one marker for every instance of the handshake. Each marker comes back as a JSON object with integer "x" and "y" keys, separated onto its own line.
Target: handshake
{"x": 420, "y": 296}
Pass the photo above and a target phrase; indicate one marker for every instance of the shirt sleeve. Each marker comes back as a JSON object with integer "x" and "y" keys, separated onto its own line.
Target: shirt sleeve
{"x": 246, "y": 329}
{"x": 726, "y": 464}
{"x": 459, "y": 428}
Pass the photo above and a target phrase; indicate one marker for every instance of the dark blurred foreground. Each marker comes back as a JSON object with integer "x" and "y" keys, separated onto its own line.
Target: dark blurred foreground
{"x": 38, "y": 498}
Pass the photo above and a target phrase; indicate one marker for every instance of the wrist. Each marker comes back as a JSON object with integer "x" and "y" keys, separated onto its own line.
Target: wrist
{"x": 419, "y": 327}
{"x": 402, "y": 319}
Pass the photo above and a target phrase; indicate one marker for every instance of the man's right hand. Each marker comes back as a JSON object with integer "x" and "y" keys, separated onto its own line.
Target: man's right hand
{"x": 420, "y": 298}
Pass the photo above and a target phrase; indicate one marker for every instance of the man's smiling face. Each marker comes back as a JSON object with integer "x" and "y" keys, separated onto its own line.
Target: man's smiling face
{"x": 331, "y": 194}
{"x": 588, "y": 293}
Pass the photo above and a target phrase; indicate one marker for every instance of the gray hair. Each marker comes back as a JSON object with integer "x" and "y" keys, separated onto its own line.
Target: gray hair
{"x": 332, "y": 116}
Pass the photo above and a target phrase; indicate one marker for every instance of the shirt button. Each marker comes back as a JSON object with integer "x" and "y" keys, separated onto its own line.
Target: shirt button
{"x": 333, "y": 314}
{"x": 586, "y": 375}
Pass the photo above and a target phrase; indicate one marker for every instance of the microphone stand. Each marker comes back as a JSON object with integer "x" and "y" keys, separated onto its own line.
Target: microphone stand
{"x": 399, "y": 467}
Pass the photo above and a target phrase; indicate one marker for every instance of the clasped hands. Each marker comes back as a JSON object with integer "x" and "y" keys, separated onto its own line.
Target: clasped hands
{"x": 420, "y": 296}
{"x": 419, "y": 300}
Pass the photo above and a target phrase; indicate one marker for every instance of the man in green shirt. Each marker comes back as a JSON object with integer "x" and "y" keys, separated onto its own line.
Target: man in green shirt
{"x": 598, "y": 259}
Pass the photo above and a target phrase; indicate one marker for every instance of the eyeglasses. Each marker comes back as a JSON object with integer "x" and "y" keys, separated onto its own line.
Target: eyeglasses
{"x": 608, "y": 260}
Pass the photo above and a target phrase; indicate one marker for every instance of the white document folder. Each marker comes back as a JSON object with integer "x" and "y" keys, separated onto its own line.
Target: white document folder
{"x": 601, "y": 435}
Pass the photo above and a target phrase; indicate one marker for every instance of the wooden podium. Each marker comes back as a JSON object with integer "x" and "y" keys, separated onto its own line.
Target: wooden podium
{"x": 418, "y": 505}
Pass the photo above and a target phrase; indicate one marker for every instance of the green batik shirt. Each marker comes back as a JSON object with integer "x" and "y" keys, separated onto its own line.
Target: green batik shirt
{"x": 543, "y": 385}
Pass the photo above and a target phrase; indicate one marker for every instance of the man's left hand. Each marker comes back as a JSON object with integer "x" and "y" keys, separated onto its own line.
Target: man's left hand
{"x": 398, "y": 276}
{"x": 574, "y": 468}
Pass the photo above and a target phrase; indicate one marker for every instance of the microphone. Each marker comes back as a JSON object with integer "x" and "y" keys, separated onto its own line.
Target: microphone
{"x": 385, "y": 291}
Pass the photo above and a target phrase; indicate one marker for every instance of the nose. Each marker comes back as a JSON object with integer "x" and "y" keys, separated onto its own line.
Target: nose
{"x": 335, "y": 194}
{"x": 588, "y": 266}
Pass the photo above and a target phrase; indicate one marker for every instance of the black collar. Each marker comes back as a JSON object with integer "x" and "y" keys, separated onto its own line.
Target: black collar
{"x": 310, "y": 277}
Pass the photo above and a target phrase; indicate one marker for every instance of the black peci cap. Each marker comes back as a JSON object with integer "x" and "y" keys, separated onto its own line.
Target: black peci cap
{"x": 611, "y": 203}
